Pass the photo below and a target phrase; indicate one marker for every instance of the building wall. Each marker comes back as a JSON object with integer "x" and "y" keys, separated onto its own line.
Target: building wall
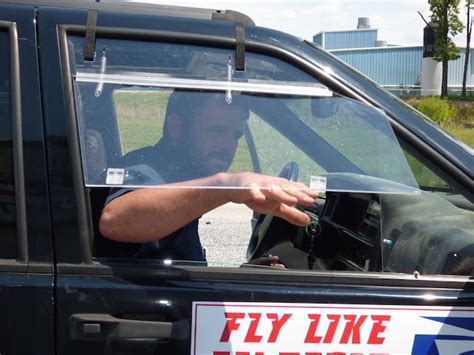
{"x": 456, "y": 70}
{"x": 346, "y": 39}
{"x": 472, "y": 62}
{"x": 400, "y": 66}
{"x": 386, "y": 66}
{"x": 318, "y": 39}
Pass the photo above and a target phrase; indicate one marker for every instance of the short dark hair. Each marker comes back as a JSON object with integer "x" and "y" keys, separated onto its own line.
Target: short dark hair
{"x": 188, "y": 104}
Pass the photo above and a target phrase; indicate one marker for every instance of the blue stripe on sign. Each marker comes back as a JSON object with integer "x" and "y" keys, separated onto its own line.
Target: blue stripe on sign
{"x": 460, "y": 322}
{"x": 426, "y": 343}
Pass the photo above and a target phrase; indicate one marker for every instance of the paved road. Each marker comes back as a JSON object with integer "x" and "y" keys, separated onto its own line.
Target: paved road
{"x": 225, "y": 233}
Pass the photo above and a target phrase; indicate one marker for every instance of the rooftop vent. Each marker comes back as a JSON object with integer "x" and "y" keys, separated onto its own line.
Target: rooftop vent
{"x": 363, "y": 22}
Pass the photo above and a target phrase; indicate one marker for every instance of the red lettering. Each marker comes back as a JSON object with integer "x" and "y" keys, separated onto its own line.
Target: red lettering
{"x": 221, "y": 353}
{"x": 334, "y": 320}
{"x": 251, "y": 336}
{"x": 276, "y": 325}
{"x": 313, "y": 326}
{"x": 313, "y": 353}
{"x": 377, "y": 328}
{"x": 352, "y": 328}
{"x": 230, "y": 325}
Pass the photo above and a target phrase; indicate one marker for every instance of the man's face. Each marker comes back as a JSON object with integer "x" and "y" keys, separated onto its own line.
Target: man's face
{"x": 213, "y": 136}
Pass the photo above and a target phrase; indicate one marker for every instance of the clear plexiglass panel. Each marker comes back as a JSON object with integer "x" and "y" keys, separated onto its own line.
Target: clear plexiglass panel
{"x": 151, "y": 130}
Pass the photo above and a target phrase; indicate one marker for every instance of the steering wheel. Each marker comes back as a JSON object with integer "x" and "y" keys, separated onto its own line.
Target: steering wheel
{"x": 290, "y": 172}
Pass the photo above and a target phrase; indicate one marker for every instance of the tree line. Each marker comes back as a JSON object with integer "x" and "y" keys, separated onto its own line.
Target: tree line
{"x": 445, "y": 17}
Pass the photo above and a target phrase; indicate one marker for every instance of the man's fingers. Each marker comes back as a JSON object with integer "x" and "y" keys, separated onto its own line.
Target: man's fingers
{"x": 279, "y": 194}
{"x": 265, "y": 260}
{"x": 271, "y": 260}
{"x": 290, "y": 195}
{"x": 256, "y": 195}
{"x": 304, "y": 198}
{"x": 250, "y": 195}
{"x": 292, "y": 215}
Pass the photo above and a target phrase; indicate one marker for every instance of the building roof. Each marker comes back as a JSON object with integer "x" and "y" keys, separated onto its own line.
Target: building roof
{"x": 350, "y": 30}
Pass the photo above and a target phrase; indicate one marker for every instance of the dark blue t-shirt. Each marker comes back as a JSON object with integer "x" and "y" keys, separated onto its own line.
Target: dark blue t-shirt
{"x": 143, "y": 166}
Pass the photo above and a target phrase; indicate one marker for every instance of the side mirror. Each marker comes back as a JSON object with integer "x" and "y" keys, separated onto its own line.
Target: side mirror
{"x": 324, "y": 107}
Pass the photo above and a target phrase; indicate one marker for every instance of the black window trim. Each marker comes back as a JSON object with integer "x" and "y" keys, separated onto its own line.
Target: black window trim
{"x": 17, "y": 135}
{"x": 334, "y": 83}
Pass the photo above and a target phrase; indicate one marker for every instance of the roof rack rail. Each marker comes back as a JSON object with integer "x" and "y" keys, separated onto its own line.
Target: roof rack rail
{"x": 232, "y": 16}
{"x": 143, "y": 8}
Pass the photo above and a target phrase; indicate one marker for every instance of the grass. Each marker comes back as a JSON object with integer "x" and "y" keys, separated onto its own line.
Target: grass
{"x": 141, "y": 116}
{"x": 464, "y": 134}
{"x": 461, "y": 125}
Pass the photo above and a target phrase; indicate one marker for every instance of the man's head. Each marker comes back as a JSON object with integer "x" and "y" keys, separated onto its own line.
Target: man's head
{"x": 205, "y": 128}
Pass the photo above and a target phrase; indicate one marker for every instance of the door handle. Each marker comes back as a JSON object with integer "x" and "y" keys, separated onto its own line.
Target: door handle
{"x": 96, "y": 326}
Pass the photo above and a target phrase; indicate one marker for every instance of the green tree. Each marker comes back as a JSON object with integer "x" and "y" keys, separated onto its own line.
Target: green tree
{"x": 445, "y": 13}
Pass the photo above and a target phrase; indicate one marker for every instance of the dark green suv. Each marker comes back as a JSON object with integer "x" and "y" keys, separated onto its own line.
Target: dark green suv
{"x": 384, "y": 266}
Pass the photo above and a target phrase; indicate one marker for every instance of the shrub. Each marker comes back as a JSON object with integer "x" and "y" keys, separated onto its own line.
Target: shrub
{"x": 437, "y": 109}
{"x": 465, "y": 113}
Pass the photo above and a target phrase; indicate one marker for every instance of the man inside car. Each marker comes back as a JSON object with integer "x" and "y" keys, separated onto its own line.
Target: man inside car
{"x": 190, "y": 162}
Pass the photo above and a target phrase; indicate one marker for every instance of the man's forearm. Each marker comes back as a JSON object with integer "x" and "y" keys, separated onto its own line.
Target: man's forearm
{"x": 149, "y": 214}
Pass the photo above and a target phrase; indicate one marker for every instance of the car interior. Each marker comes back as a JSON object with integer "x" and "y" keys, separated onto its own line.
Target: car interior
{"x": 354, "y": 229}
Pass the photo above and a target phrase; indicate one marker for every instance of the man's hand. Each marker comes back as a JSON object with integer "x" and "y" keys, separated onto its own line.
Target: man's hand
{"x": 270, "y": 260}
{"x": 270, "y": 195}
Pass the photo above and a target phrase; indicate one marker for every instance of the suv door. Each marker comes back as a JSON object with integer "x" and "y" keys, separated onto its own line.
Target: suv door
{"x": 124, "y": 306}
{"x": 26, "y": 260}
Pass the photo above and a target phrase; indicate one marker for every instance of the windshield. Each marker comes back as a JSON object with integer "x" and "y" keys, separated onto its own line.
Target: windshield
{"x": 164, "y": 130}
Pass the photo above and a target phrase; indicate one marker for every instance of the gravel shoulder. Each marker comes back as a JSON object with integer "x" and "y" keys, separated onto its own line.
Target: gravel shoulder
{"x": 225, "y": 233}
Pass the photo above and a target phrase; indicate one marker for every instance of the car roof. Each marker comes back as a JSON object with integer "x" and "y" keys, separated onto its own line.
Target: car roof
{"x": 140, "y": 8}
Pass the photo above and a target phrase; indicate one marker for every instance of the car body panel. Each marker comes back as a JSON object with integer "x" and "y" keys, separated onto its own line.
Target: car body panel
{"x": 27, "y": 282}
{"x": 78, "y": 307}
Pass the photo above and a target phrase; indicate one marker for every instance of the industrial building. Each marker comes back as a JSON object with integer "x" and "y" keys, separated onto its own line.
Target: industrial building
{"x": 397, "y": 68}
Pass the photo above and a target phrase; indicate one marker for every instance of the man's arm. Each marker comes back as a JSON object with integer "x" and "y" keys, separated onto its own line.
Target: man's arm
{"x": 150, "y": 214}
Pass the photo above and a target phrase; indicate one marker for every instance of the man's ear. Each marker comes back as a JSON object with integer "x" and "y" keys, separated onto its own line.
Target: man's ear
{"x": 175, "y": 127}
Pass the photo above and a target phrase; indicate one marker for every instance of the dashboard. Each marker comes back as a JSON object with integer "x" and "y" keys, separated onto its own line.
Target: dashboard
{"x": 353, "y": 222}
{"x": 370, "y": 232}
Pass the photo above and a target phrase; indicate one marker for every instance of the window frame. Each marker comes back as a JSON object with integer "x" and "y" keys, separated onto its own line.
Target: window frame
{"x": 84, "y": 216}
{"x": 22, "y": 254}
{"x": 64, "y": 30}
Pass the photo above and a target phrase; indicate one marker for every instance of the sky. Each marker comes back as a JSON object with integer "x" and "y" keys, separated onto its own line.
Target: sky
{"x": 397, "y": 21}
